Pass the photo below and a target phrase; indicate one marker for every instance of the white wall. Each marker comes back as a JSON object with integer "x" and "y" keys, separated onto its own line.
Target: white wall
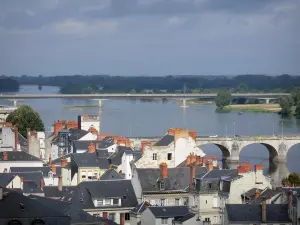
{"x": 245, "y": 183}
{"x": 8, "y": 137}
{"x": 85, "y": 125}
{"x": 88, "y": 137}
{"x": 8, "y": 164}
{"x": 15, "y": 183}
{"x": 136, "y": 186}
{"x": 147, "y": 218}
{"x": 125, "y": 165}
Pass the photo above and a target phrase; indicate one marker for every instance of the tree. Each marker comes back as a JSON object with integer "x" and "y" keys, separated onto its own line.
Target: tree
{"x": 297, "y": 110}
{"x": 292, "y": 179}
{"x": 25, "y": 117}
{"x": 223, "y": 99}
{"x": 286, "y": 104}
{"x": 241, "y": 88}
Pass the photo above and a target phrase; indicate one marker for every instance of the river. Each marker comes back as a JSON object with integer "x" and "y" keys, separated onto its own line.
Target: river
{"x": 137, "y": 118}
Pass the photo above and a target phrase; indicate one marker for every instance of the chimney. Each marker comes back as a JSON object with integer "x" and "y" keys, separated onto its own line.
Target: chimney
{"x": 193, "y": 157}
{"x": 258, "y": 167}
{"x": 63, "y": 162}
{"x": 28, "y": 138}
{"x": 188, "y": 160}
{"x": 58, "y": 126}
{"x": 92, "y": 148}
{"x": 192, "y": 175}
{"x": 257, "y": 193}
{"x": 50, "y": 159}
{"x": 199, "y": 160}
{"x": 164, "y": 170}
{"x": 193, "y": 134}
{"x": 244, "y": 167}
{"x": 290, "y": 200}
{"x": 209, "y": 165}
{"x": 264, "y": 211}
{"x": 1, "y": 193}
{"x": 144, "y": 144}
{"x": 16, "y": 131}
{"x": 60, "y": 183}
{"x": 42, "y": 184}
{"x": 5, "y": 156}
{"x": 53, "y": 168}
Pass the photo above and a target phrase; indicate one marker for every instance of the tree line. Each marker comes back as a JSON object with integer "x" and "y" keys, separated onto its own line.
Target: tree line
{"x": 8, "y": 84}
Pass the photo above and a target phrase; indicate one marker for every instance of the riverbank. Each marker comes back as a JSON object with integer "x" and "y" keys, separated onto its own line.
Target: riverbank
{"x": 80, "y": 107}
{"x": 275, "y": 108}
{"x": 196, "y": 102}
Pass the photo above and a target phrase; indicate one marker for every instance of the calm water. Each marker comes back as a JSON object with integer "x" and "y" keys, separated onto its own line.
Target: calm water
{"x": 136, "y": 118}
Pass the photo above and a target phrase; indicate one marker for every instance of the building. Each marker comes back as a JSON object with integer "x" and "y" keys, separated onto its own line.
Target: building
{"x": 164, "y": 186}
{"x": 12, "y": 181}
{"x": 166, "y": 215}
{"x": 85, "y": 122}
{"x": 82, "y": 146}
{"x": 176, "y": 145}
{"x": 111, "y": 174}
{"x": 18, "y": 159}
{"x": 257, "y": 214}
{"x": 11, "y": 139}
{"x": 110, "y": 199}
{"x": 15, "y": 208}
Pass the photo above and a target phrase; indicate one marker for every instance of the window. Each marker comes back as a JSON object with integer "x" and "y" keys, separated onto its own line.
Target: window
{"x": 99, "y": 202}
{"x": 111, "y": 216}
{"x": 90, "y": 177}
{"x": 127, "y": 216}
{"x": 83, "y": 176}
{"x": 162, "y": 185}
{"x": 154, "y": 157}
{"x": 210, "y": 186}
{"x": 115, "y": 201}
{"x": 162, "y": 202}
{"x": 215, "y": 202}
{"x": 38, "y": 222}
{"x": 206, "y": 201}
{"x": 164, "y": 220}
{"x": 107, "y": 202}
{"x": 169, "y": 156}
{"x": 177, "y": 202}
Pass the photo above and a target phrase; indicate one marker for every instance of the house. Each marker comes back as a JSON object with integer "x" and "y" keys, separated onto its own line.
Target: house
{"x": 165, "y": 215}
{"x": 8, "y": 180}
{"x": 50, "y": 178}
{"x": 164, "y": 186}
{"x": 111, "y": 199}
{"x": 85, "y": 122}
{"x": 36, "y": 144}
{"x": 257, "y": 214}
{"x": 111, "y": 174}
{"x": 11, "y": 139}
{"x": 136, "y": 213}
{"x": 18, "y": 159}
{"x": 176, "y": 145}
{"x": 81, "y": 146}
{"x": 16, "y": 208}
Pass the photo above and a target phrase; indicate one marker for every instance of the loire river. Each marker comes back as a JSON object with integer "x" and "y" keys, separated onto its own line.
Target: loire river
{"x": 136, "y": 118}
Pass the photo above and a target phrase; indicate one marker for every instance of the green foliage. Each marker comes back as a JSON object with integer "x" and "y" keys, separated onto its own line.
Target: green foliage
{"x": 223, "y": 99}
{"x": 242, "y": 88}
{"x": 293, "y": 179}
{"x": 286, "y": 104}
{"x": 8, "y": 84}
{"x": 297, "y": 111}
{"x": 253, "y": 101}
{"x": 25, "y": 117}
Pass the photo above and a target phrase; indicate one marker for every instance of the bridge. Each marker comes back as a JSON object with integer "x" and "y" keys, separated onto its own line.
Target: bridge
{"x": 134, "y": 96}
{"x": 277, "y": 146}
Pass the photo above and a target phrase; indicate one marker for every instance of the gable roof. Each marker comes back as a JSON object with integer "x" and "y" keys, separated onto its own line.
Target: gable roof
{"x": 22, "y": 206}
{"x": 251, "y": 213}
{"x": 111, "y": 174}
{"x": 140, "y": 208}
{"x": 44, "y": 170}
{"x": 76, "y": 133}
{"x": 31, "y": 187}
{"x": 217, "y": 174}
{"x": 106, "y": 142}
{"x": 111, "y": 189}
{"x": 116, "y": 157}
{"x": 169, "y": 211}
{"x": 30, "y": 176}
{"x": 84, "y": 145}
{"x": 165, "y": 141}
{"x": 66, "y": 194}
{"x": 6, "y": 178}
{"x": 18, "y": 156}
{"x": 89, "y": 160}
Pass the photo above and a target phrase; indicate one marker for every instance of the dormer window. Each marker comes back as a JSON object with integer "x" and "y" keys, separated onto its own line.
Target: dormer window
{"x": 162, "y": 185}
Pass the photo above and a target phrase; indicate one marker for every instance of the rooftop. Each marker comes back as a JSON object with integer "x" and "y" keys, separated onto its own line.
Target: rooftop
{"x": 17, "y": 156}
{"x": 111, "y": 174}
{"x": 165, "y": 141}
{"x": 169, "y": 212}
{"x": 89, "y": 160}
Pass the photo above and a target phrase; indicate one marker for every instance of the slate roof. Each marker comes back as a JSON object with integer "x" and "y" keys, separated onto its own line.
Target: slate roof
{"x": 76, "y": 133}
{"x": 89, "y": 160}
{"x": 31, "y": 208}
{"x": 18, "y": 156}
{"x": 44, "y": 170}
{"x": 84, "y": 145}
{"x": 295, "y": 190}
{"x": 111, "y": 174}
{"x": 184, "y": 218}
{"x": 66, "y": 194}
{"x": 31, "y": 176}
{"x": 165, "y": 141}
{"x": 6, "y": 178}
{"x": 251, "y": 213}
{"x": 140, "y": 208}
{"x": 169, "y": 211}
{"x": 217, "y": 174}
{"x": 106, "y": 142}
{"x": 116, "y": 157}
{"x": 267, "y": 193}
{"x": 76, "y": 214}
{"x": 102, "y": 153}
{"x": 111, "y": 189}
{"x": 31, "y": 187}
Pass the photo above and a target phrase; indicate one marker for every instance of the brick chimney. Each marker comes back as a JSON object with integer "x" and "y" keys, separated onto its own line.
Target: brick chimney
{"x": 173, "y": 131}
{"x": 16, "y": 131}
{"x": 5, "y": 156}
{"x": 71, "y": 124}
{"x": 50, "y": 159}
{"x": 60, "y": 183}
{"x": 199, "y": 160}
{"x": 144, "y": 144}
{"x": 192, "y": 176}
{"x": 259, "y": 167}
{"x": 290, "y": 200}
{"x": 257, "y": 193}
{"x": 42, "y": 184}
{"x": 264, "y": 211}
{"x": 58, "y": 126}
{"x": 244, "y": 167}
{"x": 193, "y": 134}
{"x": 92, "y": 148}
{"x": 164, "y": 170}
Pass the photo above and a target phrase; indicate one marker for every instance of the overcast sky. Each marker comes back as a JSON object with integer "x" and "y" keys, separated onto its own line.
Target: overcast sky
{"x": 149, "y": 37}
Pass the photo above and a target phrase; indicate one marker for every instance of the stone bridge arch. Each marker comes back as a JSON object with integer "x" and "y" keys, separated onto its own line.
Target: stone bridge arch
{"x": 272, "y": 149}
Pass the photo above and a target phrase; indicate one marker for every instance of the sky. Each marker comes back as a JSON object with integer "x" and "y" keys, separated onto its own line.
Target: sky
{"x": 149, "y": 37}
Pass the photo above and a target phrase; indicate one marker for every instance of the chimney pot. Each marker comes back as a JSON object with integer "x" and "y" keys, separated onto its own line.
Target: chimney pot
{"x": 92, "y": 148}
{"x": 264, "y": 211}
{"x": 192, "y": 175}
{"x": 290, "y": 199}
{"x": 60, "y": 183}
{"x": 42, "y": 184}
{"x": 164, "y": 170}
{"x": 257, "y": 193}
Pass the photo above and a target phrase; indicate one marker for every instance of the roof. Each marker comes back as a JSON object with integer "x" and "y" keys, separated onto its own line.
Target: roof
{"x": 6, "y": 178}
{"x": 76, "y": 214}
{"x": 66, "y": 194}
{"x": 169, "y": 211}
{"x": 18, "y": 156}
{"x": 140, "y": 208}
{"x": 111, "y": 189}
{"x": 184, "y": 218}
{"x": 44, "y": 170}
{"x": 217, "y": 174}
{"x": 111, "y": 174}
{"x": 295, "y": 191}
{"x": 76, "y": 133}
{"x": 106, "y": 142}
{"x": 22, "y": 206}
{"x": 165, "y": 141}
{"x": 84, "y": 145}
{"x": 116, "y": 157}
{"x": 89, "y": 160}
{"x": 31, "y": 176}
{"x": 251, "y": 213}
{"x": 31, "y": 187}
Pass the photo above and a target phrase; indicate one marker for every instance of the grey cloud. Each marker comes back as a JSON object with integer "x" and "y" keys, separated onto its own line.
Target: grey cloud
{"x": 44, "y": 13}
